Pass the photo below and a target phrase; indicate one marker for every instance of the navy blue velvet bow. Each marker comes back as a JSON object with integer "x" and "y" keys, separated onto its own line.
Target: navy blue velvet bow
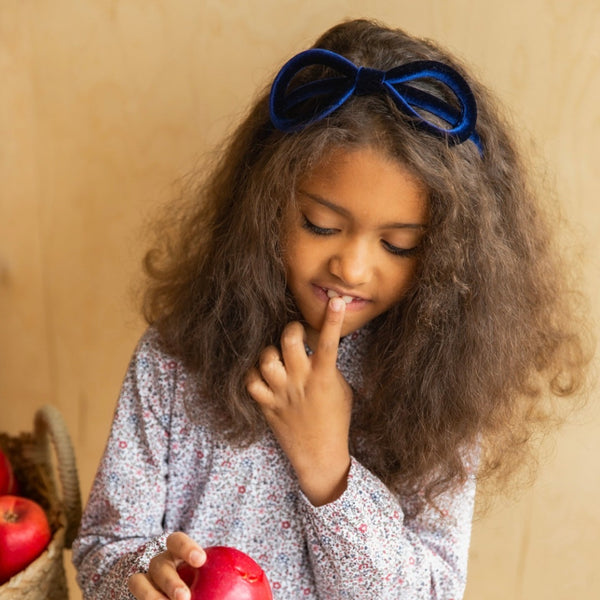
{"x": 330, "y": 93}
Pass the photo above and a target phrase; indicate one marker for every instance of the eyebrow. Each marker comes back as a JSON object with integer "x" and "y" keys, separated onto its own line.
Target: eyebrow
{"x": 346, "y": 213}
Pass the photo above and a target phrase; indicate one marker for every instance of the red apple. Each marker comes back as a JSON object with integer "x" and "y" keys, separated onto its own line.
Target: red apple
{"x": 227, "y": 574}
{"x": 24, "y": 534}
{"x": 8, "y": 483}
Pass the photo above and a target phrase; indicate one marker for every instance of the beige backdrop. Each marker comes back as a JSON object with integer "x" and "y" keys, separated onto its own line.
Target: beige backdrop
{"x": 104, "y": 104}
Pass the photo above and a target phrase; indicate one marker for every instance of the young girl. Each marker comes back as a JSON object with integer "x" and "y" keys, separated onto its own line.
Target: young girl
{"x": 360, "y": 314}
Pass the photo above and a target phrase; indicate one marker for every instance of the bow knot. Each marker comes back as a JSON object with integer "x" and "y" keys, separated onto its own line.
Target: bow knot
{"x": 288, "y": 112}
{"x": 368, "y": 81}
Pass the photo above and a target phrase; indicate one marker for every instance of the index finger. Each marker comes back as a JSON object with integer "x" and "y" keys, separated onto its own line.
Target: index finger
{"x": 329, "y": 338}
{"x": 182, "y": 547}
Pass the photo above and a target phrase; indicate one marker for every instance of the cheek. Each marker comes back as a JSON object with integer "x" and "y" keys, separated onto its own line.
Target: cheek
{"x": 300, "y": 254}
{"x": 403, "y": 279}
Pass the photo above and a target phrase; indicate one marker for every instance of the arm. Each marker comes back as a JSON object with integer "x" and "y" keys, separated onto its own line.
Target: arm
{"x": 307, "y": 403}
{"x": 361, "y": 544}
{"x": 363, "y": 547}
{"x": 122, "y": 528}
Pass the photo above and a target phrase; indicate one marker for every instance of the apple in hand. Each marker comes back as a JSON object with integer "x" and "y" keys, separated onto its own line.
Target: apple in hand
{"x": 227, "y": 574}
{"x": 24, "y": 534}
{"x": 8, "y": 483}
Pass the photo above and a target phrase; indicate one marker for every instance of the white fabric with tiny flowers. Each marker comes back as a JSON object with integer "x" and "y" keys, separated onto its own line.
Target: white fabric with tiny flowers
{"x": 163, "y": 471}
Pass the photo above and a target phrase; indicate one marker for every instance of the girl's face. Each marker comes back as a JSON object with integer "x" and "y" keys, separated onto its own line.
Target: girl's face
{"x": 354, "y": 232}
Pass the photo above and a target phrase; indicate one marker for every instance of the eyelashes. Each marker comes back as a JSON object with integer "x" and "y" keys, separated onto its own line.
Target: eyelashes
{"x": 396, "y": 251}
{"x": 306, "y": 224}
{"x": 327, "y": 231}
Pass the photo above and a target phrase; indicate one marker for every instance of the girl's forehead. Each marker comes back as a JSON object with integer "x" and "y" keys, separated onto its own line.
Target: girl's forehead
{"x": 341, "y": 159}
{"x": 365, "y": 182}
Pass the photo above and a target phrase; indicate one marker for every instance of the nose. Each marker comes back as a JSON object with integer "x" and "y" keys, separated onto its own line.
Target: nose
{"x": 352, "y": 263}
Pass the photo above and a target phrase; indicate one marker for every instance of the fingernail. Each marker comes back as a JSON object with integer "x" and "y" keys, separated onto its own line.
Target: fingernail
{"x": 182, "y": 594}
{"x": 195, "y": 558}
{"x": 336, "y": 304}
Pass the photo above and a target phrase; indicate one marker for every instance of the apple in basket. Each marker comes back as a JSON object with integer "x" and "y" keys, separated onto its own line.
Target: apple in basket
{"x": 24, "y": 534}
{"x": 8, "y": 483}
{"x": 227, "y": 574}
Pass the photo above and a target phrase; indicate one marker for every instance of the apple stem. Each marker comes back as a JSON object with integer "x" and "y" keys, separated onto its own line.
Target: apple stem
{"x": 10, "y": 516}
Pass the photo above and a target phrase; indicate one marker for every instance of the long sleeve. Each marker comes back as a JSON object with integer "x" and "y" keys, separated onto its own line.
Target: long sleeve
{"x": 363, "y": 547}
{"x": 122, "y": 526}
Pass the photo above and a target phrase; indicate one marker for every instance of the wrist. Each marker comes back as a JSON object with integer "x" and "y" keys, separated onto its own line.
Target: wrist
{"x": 325, "y": 484}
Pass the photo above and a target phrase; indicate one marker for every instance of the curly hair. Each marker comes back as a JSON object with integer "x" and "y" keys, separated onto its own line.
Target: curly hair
{"x": 472, "y": 356}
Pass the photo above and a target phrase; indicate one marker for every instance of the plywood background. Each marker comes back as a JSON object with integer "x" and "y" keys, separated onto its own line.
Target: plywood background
{"x": 104, "y": 104}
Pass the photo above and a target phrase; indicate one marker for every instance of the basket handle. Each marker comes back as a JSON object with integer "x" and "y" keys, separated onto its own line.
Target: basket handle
{"x": 49, "y": 425}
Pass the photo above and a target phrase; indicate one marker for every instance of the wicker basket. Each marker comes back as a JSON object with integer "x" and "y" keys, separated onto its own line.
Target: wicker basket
{"x": 34, "y": 465}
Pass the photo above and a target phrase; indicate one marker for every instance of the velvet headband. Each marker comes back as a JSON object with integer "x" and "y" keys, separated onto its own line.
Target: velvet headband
{"x": 330, "y": 93}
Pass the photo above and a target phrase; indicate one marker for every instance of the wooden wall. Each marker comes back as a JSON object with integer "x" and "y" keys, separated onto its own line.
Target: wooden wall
{"x": 105, "y": 104}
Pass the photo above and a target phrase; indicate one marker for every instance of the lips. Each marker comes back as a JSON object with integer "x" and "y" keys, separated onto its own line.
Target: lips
{"x": 352, "y": 302}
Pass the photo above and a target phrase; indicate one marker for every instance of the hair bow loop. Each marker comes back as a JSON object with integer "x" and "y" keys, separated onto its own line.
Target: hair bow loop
{"x": 329, "y": 93}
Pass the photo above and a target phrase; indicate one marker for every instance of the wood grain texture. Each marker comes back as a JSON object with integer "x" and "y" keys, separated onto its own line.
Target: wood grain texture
{"x": 106, "y": 104}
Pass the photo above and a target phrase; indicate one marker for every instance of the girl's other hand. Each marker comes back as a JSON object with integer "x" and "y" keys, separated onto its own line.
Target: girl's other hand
{"x": 162, "y": 580}
{"x": 307, "y": 403}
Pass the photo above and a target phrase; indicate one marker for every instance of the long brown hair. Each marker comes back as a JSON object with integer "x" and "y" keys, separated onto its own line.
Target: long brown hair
{"x": 468, "y": 358}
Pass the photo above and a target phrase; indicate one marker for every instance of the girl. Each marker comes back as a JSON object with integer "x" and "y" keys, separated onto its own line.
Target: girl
{"x": 360, "y": 313}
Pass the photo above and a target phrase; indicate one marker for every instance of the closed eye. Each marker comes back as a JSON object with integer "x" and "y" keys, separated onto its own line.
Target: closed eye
{"x": 306, "y": 224}
{"x": 396, "y": 251}
{"x": 324, "y": 231}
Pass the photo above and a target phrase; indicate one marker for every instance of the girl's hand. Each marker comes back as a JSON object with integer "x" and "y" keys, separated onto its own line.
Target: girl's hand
{"x": 308, "y": 403}
{"x": 162, "y": 581}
